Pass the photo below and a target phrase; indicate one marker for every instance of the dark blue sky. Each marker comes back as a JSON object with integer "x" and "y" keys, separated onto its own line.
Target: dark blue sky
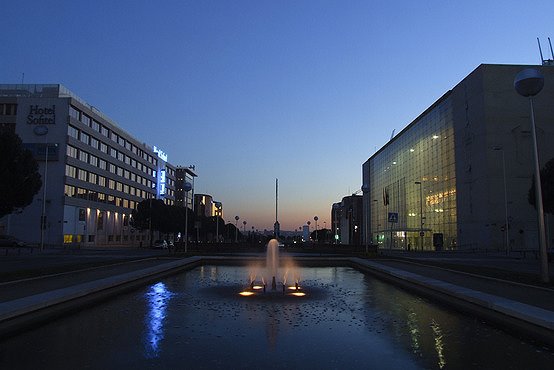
{"x": 249, "y": 91}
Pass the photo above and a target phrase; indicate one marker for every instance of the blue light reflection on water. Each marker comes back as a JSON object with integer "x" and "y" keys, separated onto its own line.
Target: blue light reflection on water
{"x": 158, "y": 297}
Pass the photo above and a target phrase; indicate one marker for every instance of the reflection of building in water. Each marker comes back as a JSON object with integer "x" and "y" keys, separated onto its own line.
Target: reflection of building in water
{"x": 415, "y": 323}
{"x": 158, "y": 296}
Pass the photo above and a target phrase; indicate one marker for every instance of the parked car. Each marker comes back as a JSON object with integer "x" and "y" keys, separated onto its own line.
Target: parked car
{"x": 10, "y": 241}
{"x": 162, "y": 244}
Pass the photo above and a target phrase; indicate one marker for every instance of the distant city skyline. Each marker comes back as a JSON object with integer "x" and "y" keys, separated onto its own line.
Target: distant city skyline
{"x": 251, "y": 91}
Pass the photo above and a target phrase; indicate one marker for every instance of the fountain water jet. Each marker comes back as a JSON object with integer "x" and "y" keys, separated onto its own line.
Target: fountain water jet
{"x": 272, "y": 271}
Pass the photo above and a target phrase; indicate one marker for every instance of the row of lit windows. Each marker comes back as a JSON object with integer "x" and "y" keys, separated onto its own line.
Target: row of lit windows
{"x": 70, "y": 238}
{"x": 96, "y": 126}
{"x": 94, "y": 196}
{"x": 93, "y": 178}
{"x": 8, "y": 109}
{"x": 99, "y": 145}
{"x": 107, "y": 166}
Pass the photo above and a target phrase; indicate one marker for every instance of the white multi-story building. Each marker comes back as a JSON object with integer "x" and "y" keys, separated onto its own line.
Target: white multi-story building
{"x": 94, "y": 173}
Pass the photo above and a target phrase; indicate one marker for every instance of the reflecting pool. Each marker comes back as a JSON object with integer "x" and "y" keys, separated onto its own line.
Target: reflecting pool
{"x": 198, "y": 319}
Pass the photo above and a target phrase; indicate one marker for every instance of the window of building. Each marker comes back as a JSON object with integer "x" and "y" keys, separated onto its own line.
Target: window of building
{"x": 73, "y": 132}
{"x": 71, "y": 151}
{"x": 104, "y": 131}
{"x": 69, "y": 190}
{"x": 119, "y": 171}
{"x": 94, "y": 142}
{"x": 91, "y": 238}
{"x": 93, "y": 160}
{"x": 82, "y": 174}
{"x": 114, "y": 136}
{"x": 113, "y": 152}
{"x": 92, "y": 178}
{"x": 101, "y": 181}
{"x": 93, "y": 196}
{"x": 102, "y": 164}
{"x": 111, "y": 184}
{"x": 110, "y": 238}
{"x": 67, "y": 238}
{"x": 70, "y": 171}
{"x": 95, "y": 126}
{"x": 121, "y": 141}
{"x": 120, "y": 156}
{"x": 83, "y": 156}
{"x": 112, "y": 168}
{"x": 103, "y": 148}
{"x": 81, "y": 193}
{"x": 85, "y": 138}
{"x": 85, "y": 119}
{"x": 75, "y": 113}
{"x": 118, "y": 186}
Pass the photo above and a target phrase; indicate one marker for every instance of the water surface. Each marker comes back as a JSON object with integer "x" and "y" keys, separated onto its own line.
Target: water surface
{"x": 197, "y": 320}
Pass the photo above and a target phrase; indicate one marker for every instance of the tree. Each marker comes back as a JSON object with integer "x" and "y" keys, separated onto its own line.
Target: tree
{"x": 547, "y": 187}
{"x": 19, "y": 176}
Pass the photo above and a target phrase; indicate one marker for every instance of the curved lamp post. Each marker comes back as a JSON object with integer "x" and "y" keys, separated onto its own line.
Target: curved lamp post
{"x": 315, "y": 219}
{"x": 528, "y": 83}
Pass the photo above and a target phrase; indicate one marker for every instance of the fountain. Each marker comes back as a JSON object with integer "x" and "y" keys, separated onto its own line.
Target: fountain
{"x": 271, "y": 273}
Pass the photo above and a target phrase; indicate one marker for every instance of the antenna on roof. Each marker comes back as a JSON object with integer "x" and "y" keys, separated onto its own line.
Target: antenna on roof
{"x": 392, "y": 135}
{"x": 540, "y": 50}
{"x": 546, "y": 62}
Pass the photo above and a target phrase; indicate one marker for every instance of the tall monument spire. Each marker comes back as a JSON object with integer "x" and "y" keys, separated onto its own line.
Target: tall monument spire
{"x": 276, "y": 227}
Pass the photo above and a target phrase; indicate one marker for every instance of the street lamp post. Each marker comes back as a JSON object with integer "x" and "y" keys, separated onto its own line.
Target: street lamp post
{"x": 506, "y": 227}
{"x": 315, "y": 219}
{"x": 187, "y": 187}
{"x": 421, "y": 233}
{"x": 528, "y": 83}
{"x": 236, "y": 229}
{"x": 43, "y": 213}
{"x": 218, "y": 207}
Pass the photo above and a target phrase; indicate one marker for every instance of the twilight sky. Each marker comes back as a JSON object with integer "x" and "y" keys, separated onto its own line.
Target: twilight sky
{"x": 250, "y": 91}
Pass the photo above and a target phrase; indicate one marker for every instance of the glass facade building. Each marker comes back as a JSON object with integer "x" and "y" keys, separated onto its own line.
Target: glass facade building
{"x": 458, "y": 176}
{"x": 413, "y": 184}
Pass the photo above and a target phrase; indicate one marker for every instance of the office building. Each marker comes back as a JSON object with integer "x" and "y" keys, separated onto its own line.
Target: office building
{"x": 94, "y": 172}
{"x": 439, "y": 183}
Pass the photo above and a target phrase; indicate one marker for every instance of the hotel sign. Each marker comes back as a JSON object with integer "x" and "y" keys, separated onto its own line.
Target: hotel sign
{"x": 162, "y": 182}
{"x": 160, "y": 153}
{"x": 39, "y": 115}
